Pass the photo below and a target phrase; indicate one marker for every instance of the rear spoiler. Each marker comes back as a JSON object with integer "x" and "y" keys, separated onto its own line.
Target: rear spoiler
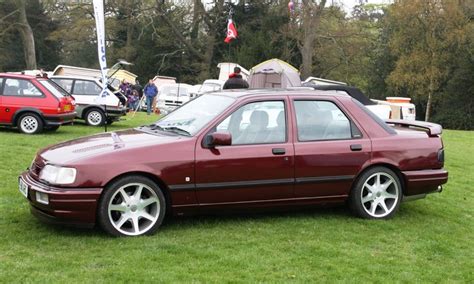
{"x": 432, "y": 129}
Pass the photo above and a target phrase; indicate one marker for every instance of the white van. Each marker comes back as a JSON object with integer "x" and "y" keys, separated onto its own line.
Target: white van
{"x": 86, "y": 91}
{"x": 172, "y": 96}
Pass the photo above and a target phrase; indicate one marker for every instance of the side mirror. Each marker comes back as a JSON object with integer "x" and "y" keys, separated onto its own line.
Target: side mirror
{"x": 217, "y": 139}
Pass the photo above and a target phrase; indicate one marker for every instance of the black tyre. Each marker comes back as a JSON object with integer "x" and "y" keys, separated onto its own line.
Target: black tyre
{"x": 95, "y": 117}
{"x": 131, "y": 206}
{"x": 110, "y": 121}
{"x": 30, "y": 123}
{"x": 377, "y": 194}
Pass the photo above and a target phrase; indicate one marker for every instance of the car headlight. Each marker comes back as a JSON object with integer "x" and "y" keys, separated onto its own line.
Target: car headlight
{"x": 58, "y": 175}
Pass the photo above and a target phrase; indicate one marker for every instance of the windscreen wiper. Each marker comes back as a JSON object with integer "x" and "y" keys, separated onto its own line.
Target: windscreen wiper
{"x": 176, "y": 130}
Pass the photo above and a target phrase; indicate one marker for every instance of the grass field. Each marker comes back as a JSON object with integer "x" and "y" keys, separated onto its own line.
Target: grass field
{"x": 429, "y": 240}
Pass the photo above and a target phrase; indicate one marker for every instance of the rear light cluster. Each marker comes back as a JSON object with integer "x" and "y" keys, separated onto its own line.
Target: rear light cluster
{"x": 66, "y": 105}
{"x": 441, "y": 156}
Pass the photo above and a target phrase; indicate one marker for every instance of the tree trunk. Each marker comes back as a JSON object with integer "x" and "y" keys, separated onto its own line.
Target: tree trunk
{"x": 311, "y": 17}
{"x": 430, "y": 95}
{"x": 26, "y": 34}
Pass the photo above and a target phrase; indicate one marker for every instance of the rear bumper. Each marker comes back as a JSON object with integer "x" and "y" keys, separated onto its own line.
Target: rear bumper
{"x": 59, "y": 119}
{"x": 116, "y": 112}
{"x": 67, "y": 206}
{"x": 424, "y": 181}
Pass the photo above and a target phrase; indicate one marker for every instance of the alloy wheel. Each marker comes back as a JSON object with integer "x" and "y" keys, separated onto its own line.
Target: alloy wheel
{"x": 133, "y": 209}
{"x": 29, "y": 124}
{"x": 94, "y": 117}
{"x": 380, "y": 194}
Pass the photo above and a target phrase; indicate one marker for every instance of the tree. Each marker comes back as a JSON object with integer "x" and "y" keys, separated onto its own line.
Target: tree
{"x": 303, "y": 27}
{"x": 425, "y": 36}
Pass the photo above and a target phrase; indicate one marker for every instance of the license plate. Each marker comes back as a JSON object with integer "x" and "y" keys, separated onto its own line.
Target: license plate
{"x": 67, "y": 108}
{"x": 23, "y": 187}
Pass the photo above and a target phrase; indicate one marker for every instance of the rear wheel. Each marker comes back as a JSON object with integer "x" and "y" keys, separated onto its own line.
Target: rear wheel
{"x": 132, "y": 206}
{"x": 30, "y": 123}
{"x": 95, "y": 117}
{"x": 377, "y": 194}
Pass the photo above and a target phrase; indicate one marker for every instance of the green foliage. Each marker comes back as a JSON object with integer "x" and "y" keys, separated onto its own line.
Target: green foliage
{"x": 406, "y": 49}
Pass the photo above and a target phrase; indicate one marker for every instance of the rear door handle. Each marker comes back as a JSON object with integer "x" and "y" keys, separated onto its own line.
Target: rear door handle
{"x": 278, "y": 151}
{"x": 356, "y": 147}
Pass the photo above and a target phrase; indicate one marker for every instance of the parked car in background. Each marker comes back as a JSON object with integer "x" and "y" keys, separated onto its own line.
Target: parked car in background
{"x": 86, "y": 91}
{"x": 171, "y": 96}
{"x": 401, "y": 108}
{"x": 33, "y": 103}
{"x": 211, "y": 85}
{"x": 238, "y": 150}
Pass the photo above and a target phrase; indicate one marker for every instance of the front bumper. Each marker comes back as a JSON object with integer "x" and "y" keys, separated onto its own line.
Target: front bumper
{"x": 59, "y": 119}
{"x": 424, "y": 181}
{"x": 68, "y": 206}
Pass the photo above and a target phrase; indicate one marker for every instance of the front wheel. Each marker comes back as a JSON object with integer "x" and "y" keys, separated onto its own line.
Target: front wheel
{"x": 132, "y": 206}
{"x": 377, "y": 194}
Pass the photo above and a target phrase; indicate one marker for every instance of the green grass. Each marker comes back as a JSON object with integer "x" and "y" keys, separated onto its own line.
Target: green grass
{"x": 429, "y": 240}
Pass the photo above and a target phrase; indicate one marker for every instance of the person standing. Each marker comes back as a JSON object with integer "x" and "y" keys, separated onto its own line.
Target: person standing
{"x": 150, "y": 91}
{"x": 235, "y": 81}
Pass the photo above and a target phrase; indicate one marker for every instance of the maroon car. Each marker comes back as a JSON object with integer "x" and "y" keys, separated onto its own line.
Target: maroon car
{"x": 238, "y": 150}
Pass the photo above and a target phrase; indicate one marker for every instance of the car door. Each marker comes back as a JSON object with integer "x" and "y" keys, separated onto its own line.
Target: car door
{"x": 259, "y": 164}
{"x": 3, "y": 114}
{"x": 329, "y": 149}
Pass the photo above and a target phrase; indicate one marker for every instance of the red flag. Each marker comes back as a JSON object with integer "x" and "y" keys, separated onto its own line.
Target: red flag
{"x": 231, "y": 32}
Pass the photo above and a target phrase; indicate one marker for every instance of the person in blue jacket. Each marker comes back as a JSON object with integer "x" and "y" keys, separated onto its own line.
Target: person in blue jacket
{"x": 150, "y": 92}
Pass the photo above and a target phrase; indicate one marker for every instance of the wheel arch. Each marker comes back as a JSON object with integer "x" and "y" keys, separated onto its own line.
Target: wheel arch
{"x": 22, "y": 111}
{"x": 390, "y": 166}
{"x": 157, "y": 180}
{"x": 90, "y": 107}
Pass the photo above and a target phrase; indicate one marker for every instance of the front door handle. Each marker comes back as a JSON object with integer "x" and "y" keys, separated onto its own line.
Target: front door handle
{"x": 278, "y": 151}
{"x": 356, "y": 147}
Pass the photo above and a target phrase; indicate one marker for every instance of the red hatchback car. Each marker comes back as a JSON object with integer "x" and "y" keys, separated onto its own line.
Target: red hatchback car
{"x": 238, "y": 150}
{"x": 33, "y": 103}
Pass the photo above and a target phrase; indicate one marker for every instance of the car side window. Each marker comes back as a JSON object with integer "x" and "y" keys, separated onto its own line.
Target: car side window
{"x": 66, "y": 84}
{"x": 321, "y": 120}
{"x": 256, "y": 123}
{"x": 20, "y": 87}
{"x": 86, "y": 88}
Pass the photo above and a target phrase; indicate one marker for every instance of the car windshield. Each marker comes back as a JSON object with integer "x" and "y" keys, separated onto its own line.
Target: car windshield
{"x": 193, "y": 116}
{"x": 54, "y": 88}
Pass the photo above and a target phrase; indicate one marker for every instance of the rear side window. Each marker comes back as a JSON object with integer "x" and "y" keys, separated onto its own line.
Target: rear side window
{"x": 20, "y": 88}
{"x": 54, "y": 89}
{"x": 86, "y": 88}
{"x": 321, "y": 120}
{"x": 66, "y": 84}
{"x": 377, "y": 119}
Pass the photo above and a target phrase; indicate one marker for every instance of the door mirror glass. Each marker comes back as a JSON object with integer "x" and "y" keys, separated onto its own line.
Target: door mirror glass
{"x": 217, "y": 139}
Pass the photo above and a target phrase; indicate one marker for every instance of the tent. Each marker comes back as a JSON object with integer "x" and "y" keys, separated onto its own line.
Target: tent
{"x": 274, "y": 73}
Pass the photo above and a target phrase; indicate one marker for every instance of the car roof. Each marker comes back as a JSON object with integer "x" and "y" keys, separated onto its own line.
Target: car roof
{"x": 242, "y": 93}
{"x": 20, "y": 76}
